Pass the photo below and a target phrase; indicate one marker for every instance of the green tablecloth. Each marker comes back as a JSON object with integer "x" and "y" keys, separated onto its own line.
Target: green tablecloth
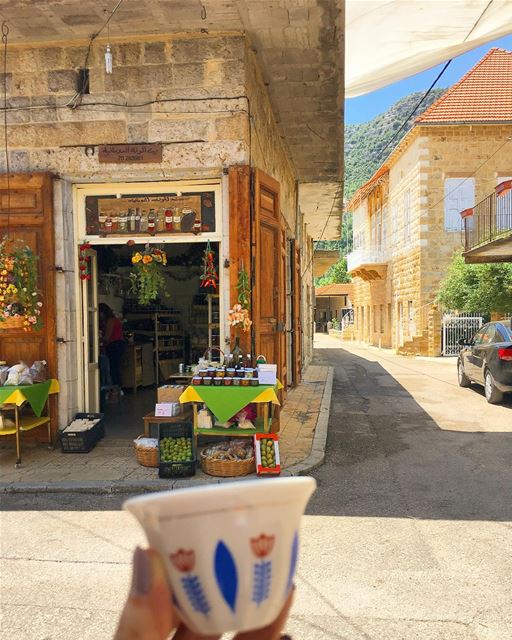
{"x": 225, "y": 402}
{"x": 35, "y": 394}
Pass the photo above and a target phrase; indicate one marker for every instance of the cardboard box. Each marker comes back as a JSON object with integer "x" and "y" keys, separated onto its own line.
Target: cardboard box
{"x": 170, "y": 392}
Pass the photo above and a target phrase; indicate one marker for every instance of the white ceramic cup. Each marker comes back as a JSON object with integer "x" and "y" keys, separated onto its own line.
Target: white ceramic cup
{"x": 230, "y": 549}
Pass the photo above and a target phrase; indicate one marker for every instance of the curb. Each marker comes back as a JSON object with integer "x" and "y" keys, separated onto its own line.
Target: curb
{"x": 315, "y": 459}
{"x": 317, "y": 454}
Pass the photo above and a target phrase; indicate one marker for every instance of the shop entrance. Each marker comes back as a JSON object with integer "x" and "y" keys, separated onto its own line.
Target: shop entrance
{"x": 128, "y": 348}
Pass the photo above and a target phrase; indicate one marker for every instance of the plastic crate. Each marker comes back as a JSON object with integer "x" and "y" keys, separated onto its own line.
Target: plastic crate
{"x": 177, "y": 469}
{"x": 83, "y": 441}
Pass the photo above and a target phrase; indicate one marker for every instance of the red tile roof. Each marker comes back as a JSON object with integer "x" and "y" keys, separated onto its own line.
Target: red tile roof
{"x": 334, "y": 290}
{"x": 484, "y": 94}
{"x": 368, "y": 187}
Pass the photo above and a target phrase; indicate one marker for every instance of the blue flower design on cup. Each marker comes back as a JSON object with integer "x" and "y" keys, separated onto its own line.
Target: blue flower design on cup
{"x": 184, "y": 561}
{"x": 262, "y": 570}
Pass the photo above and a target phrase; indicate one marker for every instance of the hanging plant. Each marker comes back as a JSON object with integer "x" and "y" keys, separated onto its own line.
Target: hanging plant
{"x": 209, "y": 277}
{"x": 147, "y": 278}
{"x": 243, "y": 287}
{"x": 84, "y": 262}
{"x": 20, "y": 299}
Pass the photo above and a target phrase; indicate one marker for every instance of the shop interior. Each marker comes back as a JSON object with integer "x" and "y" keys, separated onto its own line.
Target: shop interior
{"x": 159, "y": 340}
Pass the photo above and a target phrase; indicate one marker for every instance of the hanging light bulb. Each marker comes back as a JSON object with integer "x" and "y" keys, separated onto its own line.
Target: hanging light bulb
{"x": 108, "y": 60}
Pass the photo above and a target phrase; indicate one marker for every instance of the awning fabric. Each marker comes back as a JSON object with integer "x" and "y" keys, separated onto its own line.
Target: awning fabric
{"x": 388, "y": 40}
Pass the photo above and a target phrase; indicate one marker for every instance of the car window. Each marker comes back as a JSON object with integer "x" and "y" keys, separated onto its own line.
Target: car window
{"x": 500, "y": 335}
{"x": 479, "y": 336}
{"x": 490, "y": 334}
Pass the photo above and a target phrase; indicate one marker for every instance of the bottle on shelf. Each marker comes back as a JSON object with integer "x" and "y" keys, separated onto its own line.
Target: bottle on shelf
{"x": 237, "y": 354}
{"x": 151, "y": 222}
{"x": 131, "y": 219}
{"x": 137, "y": 219}
{"x": 168, "y": 220}
{"x": 143, "y": 221}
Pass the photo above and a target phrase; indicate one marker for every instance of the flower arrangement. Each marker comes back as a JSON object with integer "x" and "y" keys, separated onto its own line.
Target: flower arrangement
{"x": 147, "y": 278}
{"x": 238, "y": 317}
{"x": 19, "y": 296}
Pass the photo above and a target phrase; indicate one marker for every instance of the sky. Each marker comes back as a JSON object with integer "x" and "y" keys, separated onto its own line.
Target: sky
{"x": 366, "y": 107}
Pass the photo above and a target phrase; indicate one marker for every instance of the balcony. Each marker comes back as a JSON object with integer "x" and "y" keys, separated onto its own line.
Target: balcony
{"x": 488, "y": 227}
{"x": 368, "y": 264}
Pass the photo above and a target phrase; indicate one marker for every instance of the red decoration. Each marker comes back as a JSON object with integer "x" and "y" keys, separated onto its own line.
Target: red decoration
{"x": 183, "y": 560}
{"x": 84, "y": 262}
{"x": 262, "y": 545}
{"x": 210, "y": 277}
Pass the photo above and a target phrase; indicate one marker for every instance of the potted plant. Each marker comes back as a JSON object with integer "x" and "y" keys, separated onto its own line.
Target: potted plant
{"x": 20, "y": 299}
{"x": 147, "y": 278}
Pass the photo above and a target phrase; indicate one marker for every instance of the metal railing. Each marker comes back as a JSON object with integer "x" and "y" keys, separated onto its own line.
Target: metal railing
{"x": 491, "y": 219}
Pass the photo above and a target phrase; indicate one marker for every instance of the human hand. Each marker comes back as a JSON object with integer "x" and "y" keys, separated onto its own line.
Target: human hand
{"x": 148, "y": 613}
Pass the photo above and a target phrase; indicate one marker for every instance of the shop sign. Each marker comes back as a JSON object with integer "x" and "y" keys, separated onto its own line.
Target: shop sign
{"x": 130, "y": 153}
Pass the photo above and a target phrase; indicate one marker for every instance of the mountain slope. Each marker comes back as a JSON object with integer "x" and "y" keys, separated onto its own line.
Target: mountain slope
{"x": 365, "y": 142}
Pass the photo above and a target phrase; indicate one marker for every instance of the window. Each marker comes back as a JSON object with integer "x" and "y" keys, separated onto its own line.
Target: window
{"x": 459, "y": 194}
{"x": 407, "y": 215}
{"x": 479, "y": 336}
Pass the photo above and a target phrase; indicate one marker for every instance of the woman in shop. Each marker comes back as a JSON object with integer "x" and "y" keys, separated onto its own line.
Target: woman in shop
{"x": 112, "y": 340}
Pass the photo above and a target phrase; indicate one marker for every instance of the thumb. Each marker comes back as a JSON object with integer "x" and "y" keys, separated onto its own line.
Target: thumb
{"x": 148, "y": 613}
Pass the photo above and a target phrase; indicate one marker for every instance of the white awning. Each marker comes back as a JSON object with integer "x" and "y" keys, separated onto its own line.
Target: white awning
{"x": 388, "y": 40}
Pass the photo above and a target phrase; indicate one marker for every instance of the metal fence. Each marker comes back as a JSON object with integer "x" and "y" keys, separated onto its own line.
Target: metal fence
{"x": 456, "y": 327}
{"x": 491, "y": 219}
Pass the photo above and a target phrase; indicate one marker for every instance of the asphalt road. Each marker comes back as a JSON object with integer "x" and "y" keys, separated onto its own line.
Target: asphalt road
{"x": 409, "y": 535}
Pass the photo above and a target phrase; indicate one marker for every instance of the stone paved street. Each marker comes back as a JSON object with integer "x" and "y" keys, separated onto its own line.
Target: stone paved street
{"x": 407, "y": 538}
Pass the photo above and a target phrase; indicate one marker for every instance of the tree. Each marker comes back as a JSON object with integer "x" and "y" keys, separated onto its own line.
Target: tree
{"x": 336, "y": 274}
{"x": 477, "y": 287}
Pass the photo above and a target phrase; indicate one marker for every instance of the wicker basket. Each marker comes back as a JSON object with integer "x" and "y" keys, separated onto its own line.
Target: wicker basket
{"x": 146, "y": 456}
{"x": 12, "y": 323}
{"x": 228, "y": 468}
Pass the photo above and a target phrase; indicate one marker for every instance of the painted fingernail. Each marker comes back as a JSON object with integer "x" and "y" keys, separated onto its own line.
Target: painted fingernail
{"x": 141, "y": 579}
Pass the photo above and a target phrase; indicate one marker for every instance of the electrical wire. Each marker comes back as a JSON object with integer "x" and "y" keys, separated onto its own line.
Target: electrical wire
{"x": 77, "y": 98}
{"x": 418, "y": 105}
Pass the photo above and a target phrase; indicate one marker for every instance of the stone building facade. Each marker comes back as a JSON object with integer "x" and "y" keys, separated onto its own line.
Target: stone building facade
{"x": 406, "y": 218}
{"x": 202, "y": 95}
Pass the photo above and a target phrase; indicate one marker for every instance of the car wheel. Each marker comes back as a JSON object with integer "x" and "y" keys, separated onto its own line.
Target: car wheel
{"x": 492, "y": 394}
{"x": 464, "y": 381}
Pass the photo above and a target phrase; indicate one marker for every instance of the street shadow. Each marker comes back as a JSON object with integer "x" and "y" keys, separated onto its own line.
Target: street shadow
{"x": 387, "y": 457}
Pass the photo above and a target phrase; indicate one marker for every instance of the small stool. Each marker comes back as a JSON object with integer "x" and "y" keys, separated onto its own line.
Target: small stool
{"x": 150, "y": 419}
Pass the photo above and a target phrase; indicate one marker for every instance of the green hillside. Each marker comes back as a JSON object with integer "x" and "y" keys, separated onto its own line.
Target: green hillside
{"x": 365, "y": 142}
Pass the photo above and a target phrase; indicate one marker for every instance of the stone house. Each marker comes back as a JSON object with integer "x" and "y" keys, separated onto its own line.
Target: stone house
{"x": 234, "y": 105}
{"x": 406, "y": 217}
{"x": 332, "y": 301}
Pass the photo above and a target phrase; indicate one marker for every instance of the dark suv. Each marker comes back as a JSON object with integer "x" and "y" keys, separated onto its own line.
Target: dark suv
{"x": 487, "y": 360}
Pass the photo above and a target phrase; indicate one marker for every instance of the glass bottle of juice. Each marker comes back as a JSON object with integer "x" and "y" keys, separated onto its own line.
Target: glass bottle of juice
{"x": 101, "y": 224}
{"x": 131, "y": 219}
{"x": 137, "y": 219}
{"x": 108, "y": 225}
{"x": 176, "y": 220}
{"x": 160, "y": 224}
{"x": 143, "y": 221}
{"x": 115, "y": 223}
{"x": 123, "y": 222}
{"x": 168, "y": 220}
{"x": 152, "y": 222}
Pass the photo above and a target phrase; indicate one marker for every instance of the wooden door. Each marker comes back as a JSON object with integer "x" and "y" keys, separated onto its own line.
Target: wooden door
{"x": 28, "y": 215}
{"x": 269, "y": 260}
{"x": 296, "y": 313}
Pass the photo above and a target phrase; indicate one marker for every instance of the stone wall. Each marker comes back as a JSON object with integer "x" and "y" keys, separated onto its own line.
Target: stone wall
{"x": 187, "y": 92}
{"x": 190, "y": 92}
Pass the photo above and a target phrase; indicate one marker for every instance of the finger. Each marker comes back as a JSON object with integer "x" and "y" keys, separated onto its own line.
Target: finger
{"x": 148, "y": 613}
{"x": 184, "y": 633}
{"x": 273, "y": 630}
